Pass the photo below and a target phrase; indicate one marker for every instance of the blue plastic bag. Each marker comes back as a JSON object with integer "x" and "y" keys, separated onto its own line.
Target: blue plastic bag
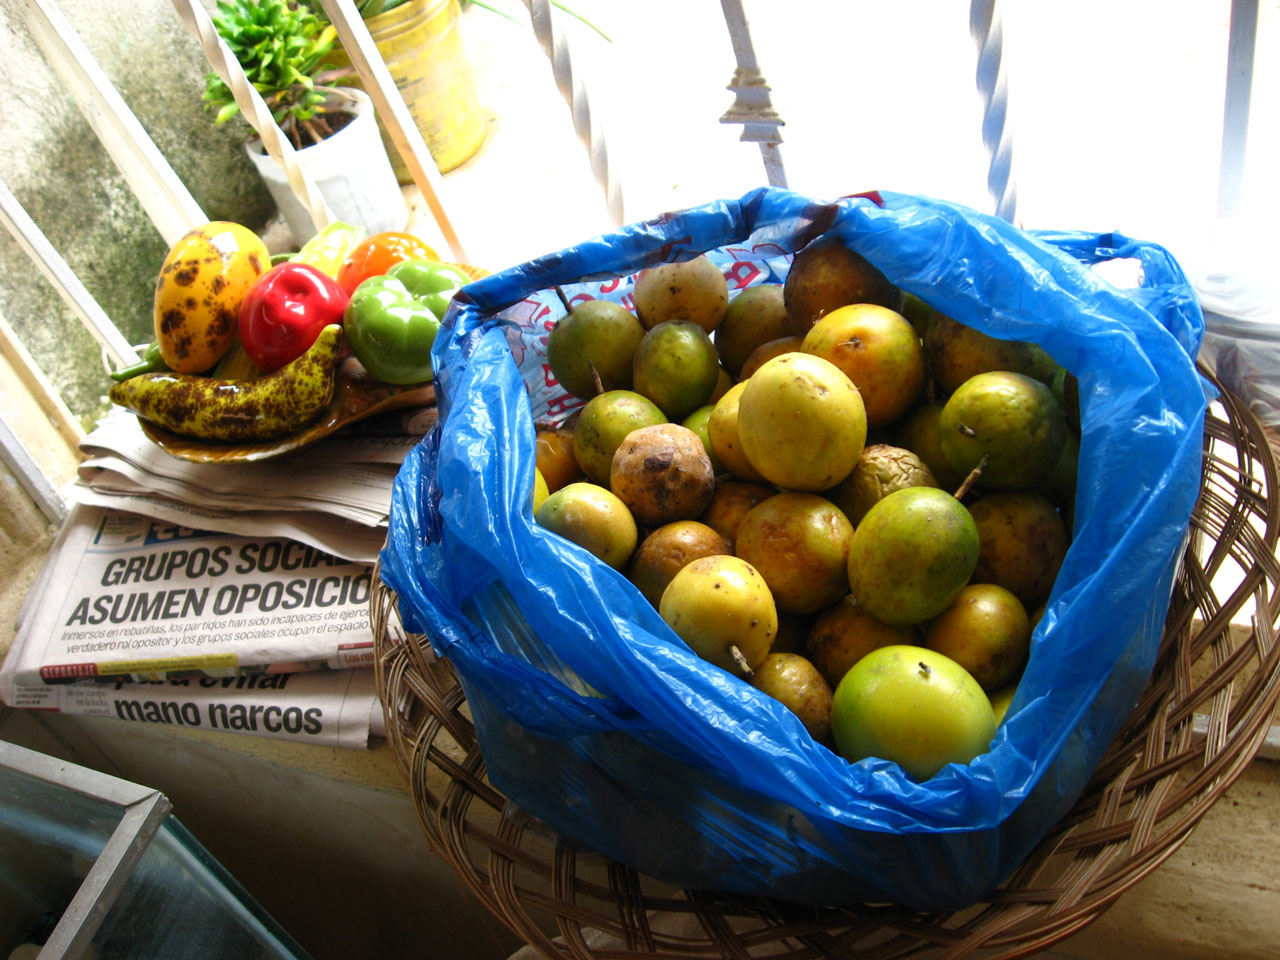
{"x": 595, "y": 717}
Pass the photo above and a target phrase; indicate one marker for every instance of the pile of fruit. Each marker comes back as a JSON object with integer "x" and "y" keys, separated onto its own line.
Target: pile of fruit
{"x": 249, "y": 349}
{"x": 851, "y": 501}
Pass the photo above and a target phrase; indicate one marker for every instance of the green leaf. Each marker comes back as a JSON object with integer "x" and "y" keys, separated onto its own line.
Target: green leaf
{"x": 282, "y": 47}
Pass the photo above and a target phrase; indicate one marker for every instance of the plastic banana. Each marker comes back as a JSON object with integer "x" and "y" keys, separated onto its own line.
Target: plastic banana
{"x": 236, "y": 365}
{"x": 210, "y": 408}
{"x": 328, "y": 248}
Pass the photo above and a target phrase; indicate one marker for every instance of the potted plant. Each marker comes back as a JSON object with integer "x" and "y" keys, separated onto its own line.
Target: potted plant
{"x": 283, "y": 48}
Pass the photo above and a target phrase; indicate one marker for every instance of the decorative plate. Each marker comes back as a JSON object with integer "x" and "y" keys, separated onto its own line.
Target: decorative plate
{"x": 356, "y": 396}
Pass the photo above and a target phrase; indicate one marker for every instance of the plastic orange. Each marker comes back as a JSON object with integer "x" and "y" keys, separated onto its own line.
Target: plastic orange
{"x": 378, "y": 254}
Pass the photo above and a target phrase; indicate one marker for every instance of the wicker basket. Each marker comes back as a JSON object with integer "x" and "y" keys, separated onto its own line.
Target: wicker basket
{"x": 1150, "y": 790}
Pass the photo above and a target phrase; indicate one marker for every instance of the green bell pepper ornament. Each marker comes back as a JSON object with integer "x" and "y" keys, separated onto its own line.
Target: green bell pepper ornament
{"x": 392, "y": 319}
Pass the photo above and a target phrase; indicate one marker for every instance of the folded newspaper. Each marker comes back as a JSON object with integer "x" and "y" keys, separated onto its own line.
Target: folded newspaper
{"x": 334, "y": 496}
{"x": 337, "y": 708}
{"x": 133, "y": 599}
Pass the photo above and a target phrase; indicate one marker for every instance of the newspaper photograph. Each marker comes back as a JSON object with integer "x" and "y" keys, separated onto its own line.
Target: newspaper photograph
{"x": 336, "y": 708}
{"x": 126, "y": 595}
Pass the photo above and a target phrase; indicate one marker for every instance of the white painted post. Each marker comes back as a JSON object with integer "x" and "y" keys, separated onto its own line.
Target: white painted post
{"x": 65, "y": 282}
{"x": 752, "y": 106}
{"x": 1241, "y": 41}
{"x": 164, "y": 197}
{"x": 571, "y": 87}
{"x": 393, "y": 112}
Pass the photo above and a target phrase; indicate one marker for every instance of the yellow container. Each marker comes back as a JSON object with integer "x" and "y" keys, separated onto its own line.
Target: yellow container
{"x": 421, "y": 44}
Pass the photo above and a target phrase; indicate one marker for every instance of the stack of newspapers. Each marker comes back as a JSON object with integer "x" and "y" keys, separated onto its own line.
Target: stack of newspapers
{"x": 217, "y": 596}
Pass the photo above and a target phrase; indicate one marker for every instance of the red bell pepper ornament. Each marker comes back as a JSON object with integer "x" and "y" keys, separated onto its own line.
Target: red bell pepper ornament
{"x": 284, "y": 312}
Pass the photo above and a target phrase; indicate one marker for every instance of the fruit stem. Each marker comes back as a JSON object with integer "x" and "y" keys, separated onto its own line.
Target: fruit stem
{"x": 595, "y": 377}
{"x": 972, "y": 478}
{"x": 563, "y": 298}
{"x": 740, "y": 659}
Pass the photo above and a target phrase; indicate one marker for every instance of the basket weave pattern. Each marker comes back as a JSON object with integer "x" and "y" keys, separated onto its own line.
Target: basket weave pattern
{"x": 1163, "y": 772}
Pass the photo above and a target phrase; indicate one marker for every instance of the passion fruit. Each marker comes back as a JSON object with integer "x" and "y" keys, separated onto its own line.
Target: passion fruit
{"x": 591, "y": 349}
{"x": 721, "y": 607}
{"x": 755, "y": 316}
{"x": 879, "y": 351}
{"x": 594, "y": 519}
{"x": 880, "y": 471}
{"x": 800, "y": 544}
{"x": 912, "y": 554}
{"x": 1009, "y": 424}
{"x": 663, "y": 474}
{"x": 913, "y": 706}
{"x": 668, "y": 550}
{"x": 802, "y": 422}
{"x": 604, "y": 423}
{"x": 827, "y": 275}
{"x": 694, "y": 290}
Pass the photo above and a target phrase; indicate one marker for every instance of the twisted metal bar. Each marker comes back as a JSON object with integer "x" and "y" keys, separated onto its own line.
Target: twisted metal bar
{"x": 254, "y": 108}
{"x": 986, "y": 30}
{"x": 571, "y": 88}
{"x": 752, "y": 106}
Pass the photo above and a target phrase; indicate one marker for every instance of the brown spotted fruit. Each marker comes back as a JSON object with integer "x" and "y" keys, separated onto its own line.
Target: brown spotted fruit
{"x": 205, "y": 276}
{"x": 691, "y": 290}
{"x": 1022, "y": 542}
{"x": 239, "y": 411}
{"x": 827, "y": 275}
{"x": 987, "y": 631}
{"x": 844, "y": 633}
{"x": 662, "y": 473}
{"x": 956, "y": 352}
{"x": 667, "y": 551}
{"x": 882, "y": 469}
{"x": 730, "y": 503}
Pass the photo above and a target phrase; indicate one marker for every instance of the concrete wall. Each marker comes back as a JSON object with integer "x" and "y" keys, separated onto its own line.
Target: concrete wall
{"x": 63, "y": 177}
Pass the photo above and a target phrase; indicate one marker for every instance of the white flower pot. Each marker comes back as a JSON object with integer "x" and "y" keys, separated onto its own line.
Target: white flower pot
{"x": 352, "y": 172}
